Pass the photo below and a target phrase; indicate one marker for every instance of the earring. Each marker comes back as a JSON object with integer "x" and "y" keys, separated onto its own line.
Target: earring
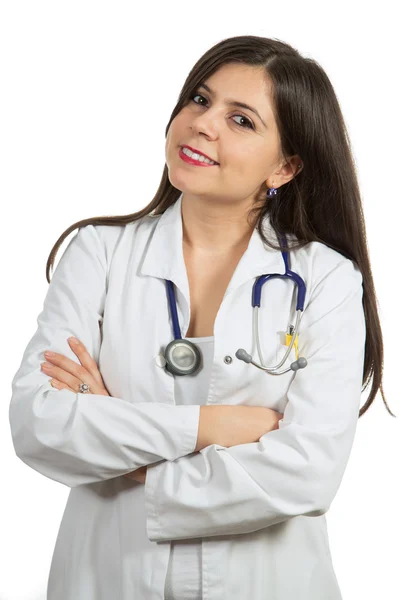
{"x": 273, "y": 191}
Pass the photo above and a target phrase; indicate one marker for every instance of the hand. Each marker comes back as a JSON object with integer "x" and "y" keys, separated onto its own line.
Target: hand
{"x": 232, "y": 425}
{"x": 68, "y": 375}
{"x": 138, "y": 475}
{"x": 273, "y": 421}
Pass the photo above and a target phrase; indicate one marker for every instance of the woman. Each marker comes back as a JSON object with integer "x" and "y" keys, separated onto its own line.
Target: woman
{"x": 214, "y": 484}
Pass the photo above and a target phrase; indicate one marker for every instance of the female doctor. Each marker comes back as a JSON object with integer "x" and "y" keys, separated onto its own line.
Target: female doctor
{"x": 197, "y": 467}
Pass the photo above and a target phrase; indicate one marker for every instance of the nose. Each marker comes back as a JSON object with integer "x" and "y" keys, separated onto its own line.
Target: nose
{"x": 205, "y": 124}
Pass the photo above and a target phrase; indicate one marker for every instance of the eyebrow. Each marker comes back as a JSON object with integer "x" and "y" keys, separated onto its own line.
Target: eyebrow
{"x": 235, "y": 103}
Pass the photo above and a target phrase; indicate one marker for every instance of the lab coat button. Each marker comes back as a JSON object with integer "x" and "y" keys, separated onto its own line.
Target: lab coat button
{"x": 160, "y": 360}
{"x": 228, "y": 360}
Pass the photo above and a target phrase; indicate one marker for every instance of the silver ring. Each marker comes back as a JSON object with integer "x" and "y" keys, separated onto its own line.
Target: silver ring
{"x": 84, "y": 388}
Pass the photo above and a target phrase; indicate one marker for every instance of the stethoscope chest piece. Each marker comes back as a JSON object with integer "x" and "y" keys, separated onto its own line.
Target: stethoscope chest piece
{"x": 182, "y": 357}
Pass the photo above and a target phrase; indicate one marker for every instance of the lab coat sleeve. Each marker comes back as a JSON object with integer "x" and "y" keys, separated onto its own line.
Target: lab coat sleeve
{"x": 295, "y": 469}
{"x": 76, "y": 438}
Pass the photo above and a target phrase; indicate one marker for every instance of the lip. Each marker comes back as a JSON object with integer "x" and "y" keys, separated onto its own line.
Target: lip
{"x": 195, "y": 162}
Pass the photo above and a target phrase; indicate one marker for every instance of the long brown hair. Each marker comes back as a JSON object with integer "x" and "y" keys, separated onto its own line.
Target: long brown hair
{"x": 322, "y": 203}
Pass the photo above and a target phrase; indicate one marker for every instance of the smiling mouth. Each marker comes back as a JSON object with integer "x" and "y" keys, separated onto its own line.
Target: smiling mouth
{"x": 191, "y": 161}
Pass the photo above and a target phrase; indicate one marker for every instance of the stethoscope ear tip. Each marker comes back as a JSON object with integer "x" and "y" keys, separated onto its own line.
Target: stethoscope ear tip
{"x": 241, "y": 354}
{"x": 300, "y": 363}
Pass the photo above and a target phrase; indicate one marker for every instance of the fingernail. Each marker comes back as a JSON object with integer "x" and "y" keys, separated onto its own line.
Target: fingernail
{"x": 73, "y": 340}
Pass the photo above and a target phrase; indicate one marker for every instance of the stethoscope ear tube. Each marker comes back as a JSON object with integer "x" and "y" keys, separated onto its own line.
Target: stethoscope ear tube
{"x": 300, "y": 363}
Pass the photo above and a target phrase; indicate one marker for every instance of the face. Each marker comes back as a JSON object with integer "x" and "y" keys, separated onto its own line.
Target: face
{"x": 246, "y": 145}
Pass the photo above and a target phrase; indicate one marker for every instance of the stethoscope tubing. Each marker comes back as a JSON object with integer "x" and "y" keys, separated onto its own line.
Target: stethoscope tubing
{"x": 193, "y": 356}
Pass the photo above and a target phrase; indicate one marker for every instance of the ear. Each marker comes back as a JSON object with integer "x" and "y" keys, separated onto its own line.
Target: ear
{"x": 287, "y": 171}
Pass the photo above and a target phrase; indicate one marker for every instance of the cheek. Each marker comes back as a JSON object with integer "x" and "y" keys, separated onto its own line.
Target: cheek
{"x": 248, "y": 165}
{"x": 170, "y": 137}
{"x": 171, "y": 148}
{"x": 177, "y": 134}
{"x": 178, "y": 127}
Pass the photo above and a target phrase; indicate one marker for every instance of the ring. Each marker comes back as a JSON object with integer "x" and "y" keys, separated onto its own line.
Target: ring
{"x": 84, "y": 388}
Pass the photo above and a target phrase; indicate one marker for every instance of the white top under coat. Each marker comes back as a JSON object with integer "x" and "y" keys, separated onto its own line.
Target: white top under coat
{"x": 183, "y": 580}
{"x": 258, "y": 508}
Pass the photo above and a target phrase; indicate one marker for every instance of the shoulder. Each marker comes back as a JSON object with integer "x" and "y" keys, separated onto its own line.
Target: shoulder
{"x": 326, "y": 271}
{"x": 106, "y": 239}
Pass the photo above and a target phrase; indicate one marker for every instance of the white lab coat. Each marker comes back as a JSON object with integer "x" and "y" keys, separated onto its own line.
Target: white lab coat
{"x": 259, "y": 507}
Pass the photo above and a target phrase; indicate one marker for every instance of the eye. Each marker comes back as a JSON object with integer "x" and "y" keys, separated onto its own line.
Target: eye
{"x": 249, "y": 124}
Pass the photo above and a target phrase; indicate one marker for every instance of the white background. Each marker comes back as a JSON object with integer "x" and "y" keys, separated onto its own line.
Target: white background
{"x": 87, "y": 89}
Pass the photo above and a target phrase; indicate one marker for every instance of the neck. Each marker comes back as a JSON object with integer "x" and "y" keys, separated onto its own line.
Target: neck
{"x": 212, "y": 227}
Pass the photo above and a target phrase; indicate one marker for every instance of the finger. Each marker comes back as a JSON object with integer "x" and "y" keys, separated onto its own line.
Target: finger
{"x": 59, "y": 385}
{"x": 70, "y": 380}
{"x": 67, "y": 378}
{"x": 86, "y": 360}
{"x": 132, "y": 478}
{"x": 68, "y": 365}
{"x": 73, "y": 374}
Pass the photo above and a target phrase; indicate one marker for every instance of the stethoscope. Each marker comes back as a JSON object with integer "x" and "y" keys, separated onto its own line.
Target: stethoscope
{"x": 183, "y": 357}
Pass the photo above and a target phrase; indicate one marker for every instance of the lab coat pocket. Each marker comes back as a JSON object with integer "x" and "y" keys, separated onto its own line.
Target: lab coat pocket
{"x": 282, "y": 346}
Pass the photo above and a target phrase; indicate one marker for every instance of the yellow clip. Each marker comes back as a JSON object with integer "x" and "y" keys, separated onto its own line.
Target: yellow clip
{"x": 295, "y": 345}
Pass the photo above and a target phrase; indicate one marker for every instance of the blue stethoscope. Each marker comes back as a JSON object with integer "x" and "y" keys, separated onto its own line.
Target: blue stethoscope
{"x": 183, "y": 357}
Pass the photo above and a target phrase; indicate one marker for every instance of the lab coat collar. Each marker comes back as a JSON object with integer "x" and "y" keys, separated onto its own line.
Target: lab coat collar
{"x": 164, "y": 257}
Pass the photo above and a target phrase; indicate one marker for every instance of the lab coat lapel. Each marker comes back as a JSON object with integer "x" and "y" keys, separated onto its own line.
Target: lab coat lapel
{"x": 164, "y": 257}
{"x": 258, "y": 259}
